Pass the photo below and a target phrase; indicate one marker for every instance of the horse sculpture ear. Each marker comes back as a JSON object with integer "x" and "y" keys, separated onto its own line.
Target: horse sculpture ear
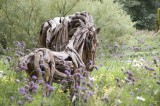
{"x": 97, "y": 30}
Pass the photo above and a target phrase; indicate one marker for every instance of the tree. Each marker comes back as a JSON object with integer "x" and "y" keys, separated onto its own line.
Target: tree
{"x": 143, "y": 12}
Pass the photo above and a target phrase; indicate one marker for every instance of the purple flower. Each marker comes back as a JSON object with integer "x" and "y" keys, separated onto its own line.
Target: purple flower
{"x": 28, "y": 98}
{"x": 35, "y": 86}
{"x": 22, "y": 90}
{"x": 68, "y": 73}
{"x": 90, "y": 93}
{"x": 150, "y": 69}
{"x": 77, "y": 86}
{"x": 81, "y": 77}
{"x": 49, "y": 87}
{"x": 42, "y": 65}
{"x": 85, "y": 98}
{"x": 64, "y": 81}
{"x": 41, "y": 81}
{"x": 12, "y": 98}
{"x": 23, "y": 67}
{"x": 39, "y": 70}
{"x": 20, "y": 102}
{"x": 77, "y": 74}
{"x": 34, "y": 77}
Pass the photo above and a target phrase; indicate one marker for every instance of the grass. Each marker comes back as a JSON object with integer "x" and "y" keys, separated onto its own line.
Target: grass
{"x": 110, "y": 86}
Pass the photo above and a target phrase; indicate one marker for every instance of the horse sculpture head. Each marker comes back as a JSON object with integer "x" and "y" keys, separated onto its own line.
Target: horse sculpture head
{"x": 91, "y": 43}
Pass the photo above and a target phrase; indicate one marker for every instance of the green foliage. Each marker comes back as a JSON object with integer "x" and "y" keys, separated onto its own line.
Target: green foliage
{"x": 21, "y": 19}
{"x": 158, "y": 16}
{"x": 143, "y": 12}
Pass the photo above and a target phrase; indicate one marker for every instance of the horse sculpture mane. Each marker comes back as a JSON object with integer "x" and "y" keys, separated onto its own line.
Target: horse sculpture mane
{"x": 68, "y": 43}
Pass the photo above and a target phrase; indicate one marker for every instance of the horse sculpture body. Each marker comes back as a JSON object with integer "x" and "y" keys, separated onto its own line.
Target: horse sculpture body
{"x": 68, "y": 43}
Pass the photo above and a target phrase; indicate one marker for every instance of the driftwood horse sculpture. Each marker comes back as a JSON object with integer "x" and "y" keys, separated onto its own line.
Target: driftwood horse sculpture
{"x": 68, "y": 43}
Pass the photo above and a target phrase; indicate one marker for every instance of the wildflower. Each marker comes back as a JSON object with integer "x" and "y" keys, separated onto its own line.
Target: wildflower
{"x": 85, "y": 98}
{"x": 39, "y": 70}
{"x": 23, "y": 67}
{"x": 148, "y": 68}
{"x": 77, "y": 86}
{"x": 22, "y": 90}
{"x": 64, "y": 81}
{"x": 140, "y": 98}
{"x": 49, "y": 87}
{"x": 20, "y": 102}
{"x": 34, "y": 77}
{"x": 41, "y": 81}
{"x": 132, "y": 93}
{"x": 12, "y": 98}
{"x": 68, "y": 73}
{"x": 28, "y": 98}
{"x": 8, "y": 58}
{"x": 42, "y": 65}
{"x": 90, "y": 93}
{"x": 35, "y": 86}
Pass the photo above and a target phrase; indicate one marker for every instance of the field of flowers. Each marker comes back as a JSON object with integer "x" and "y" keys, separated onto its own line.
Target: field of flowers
{"x": 129, "y": 76}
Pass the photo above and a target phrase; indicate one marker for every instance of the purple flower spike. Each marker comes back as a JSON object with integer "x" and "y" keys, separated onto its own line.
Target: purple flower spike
{"x": 22, "y": 90}
{"x": 90, "y": 93}
{"x": 39, "y": 70}
{"x": 77, "y": 86}
{"x": 42, "y": 65}
{"x": 41, "y": 81}
{"x": 23, "y": 67}
{"x": 64, "y": 81}
{"x": 20, "y": 102}
{"x": 34, "y": 77}
{"x": 35, "y": 87}
{"x": 51, "y": 88}
{"x": 68, "y": 73}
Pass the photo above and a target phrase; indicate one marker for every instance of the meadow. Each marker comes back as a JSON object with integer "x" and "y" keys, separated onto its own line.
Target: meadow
{"x": 127, "y": 76}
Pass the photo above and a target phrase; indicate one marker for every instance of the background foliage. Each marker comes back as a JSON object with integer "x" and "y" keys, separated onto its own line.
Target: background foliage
{"x": 143, "y": 12}
{"x": 21, "y": 19}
